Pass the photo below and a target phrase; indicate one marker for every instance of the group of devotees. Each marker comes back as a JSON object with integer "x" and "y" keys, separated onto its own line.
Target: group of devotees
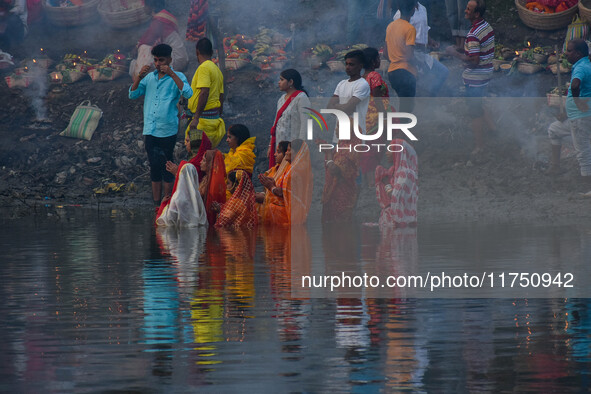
{"x": 217, "y": 189}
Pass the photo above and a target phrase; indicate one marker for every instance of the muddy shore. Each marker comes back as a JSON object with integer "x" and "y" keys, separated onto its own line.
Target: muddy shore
{"x": 38, "y": 167}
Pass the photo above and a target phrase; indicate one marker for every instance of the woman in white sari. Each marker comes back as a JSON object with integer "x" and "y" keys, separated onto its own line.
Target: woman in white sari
{"x": 186, "y": 208}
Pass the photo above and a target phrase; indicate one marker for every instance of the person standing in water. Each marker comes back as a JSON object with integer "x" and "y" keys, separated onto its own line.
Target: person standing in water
{"x": 162, "y": 90}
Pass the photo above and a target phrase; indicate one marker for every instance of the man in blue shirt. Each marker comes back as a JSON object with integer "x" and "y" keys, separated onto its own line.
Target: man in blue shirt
{"x": 162, "y": 89}
{"x": 577, "y": 108}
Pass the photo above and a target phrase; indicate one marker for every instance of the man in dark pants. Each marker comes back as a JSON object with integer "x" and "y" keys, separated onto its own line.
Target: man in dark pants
{"x": 399, "y": 48}
{"x": 162, "y": 89}
{"x": 479, "y": 51}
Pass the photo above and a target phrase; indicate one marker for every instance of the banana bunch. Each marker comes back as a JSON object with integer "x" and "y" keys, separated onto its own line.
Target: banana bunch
{"x": 323, "y": 51}
{"x": 264, "y": 43}
{"x": 358, "y": 46}
{"x": 270, "y": 46}
{"x": 341, "y": 54}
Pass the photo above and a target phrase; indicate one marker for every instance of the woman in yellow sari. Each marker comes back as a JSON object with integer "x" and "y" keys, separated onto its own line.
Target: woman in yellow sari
{"x": 241, "y": 155}
{"x": 294, "y": 187}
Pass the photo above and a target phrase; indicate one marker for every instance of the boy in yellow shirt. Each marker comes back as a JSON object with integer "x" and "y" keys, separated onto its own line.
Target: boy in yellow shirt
{"x": 208, "y": 98}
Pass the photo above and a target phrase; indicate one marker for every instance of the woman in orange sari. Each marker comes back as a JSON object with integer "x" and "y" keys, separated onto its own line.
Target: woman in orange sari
{"x": 240, "y": 209}
{"x": 272, "y": 209}
{"x": 340, "y": 188}
{"x": 292, "y": 192}
{"x": 213, "y": 185}
{"x": 298, "y": 183}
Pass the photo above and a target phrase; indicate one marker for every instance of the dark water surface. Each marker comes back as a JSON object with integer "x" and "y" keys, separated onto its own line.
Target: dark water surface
{"x": 101, "y": 302}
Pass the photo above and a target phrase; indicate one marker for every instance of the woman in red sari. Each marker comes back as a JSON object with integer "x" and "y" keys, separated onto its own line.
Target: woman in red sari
{"x": 213, "y": 185}
{"x": 340, "y": 188}
{"x": 240, "y": 210}
{"x": 290, "y": 119}
{"x": 397, "y": 187}
{"x": 378, "y": 102}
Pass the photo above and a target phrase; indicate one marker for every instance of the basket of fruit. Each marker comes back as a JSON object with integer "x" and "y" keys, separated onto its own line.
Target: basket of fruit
{"x": 546, "y": 14}
{"x": 540, "y": 55}
{"x": 70, "y": 12}
{"x": 122, "y": 14}
{"x": 556, "y": 97}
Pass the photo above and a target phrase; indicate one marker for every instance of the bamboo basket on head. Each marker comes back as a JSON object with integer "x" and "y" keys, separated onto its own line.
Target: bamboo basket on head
{"x": 543, "y": 21}
{"x": 123, "y": 14}
{"x": 71, "y": 16}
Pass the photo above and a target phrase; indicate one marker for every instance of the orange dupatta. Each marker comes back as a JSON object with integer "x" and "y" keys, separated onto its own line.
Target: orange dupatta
{"x": 273, "y": 209}
{"x": 298, "y": 185}
{"x": 213, "y": 186}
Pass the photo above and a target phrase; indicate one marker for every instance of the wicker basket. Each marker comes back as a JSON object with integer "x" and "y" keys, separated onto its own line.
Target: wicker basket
{"x": 528, "y": 68}
{"x": 585, "y": 10}
{"x": 554, "y": 69}
{"x": 540, "y": 58}
{"x": 539, "y": 21}
{"x": 554, "y": 100}
{"x": 118, "y": 17}
{"x": 336, "y": 66}
{"x": 278, "y": 64}
{"x": 71, "y": 16}
{"x": 506, "y": 67}
{"x": 235, "y": 64}
{"x": 497, "y": 64}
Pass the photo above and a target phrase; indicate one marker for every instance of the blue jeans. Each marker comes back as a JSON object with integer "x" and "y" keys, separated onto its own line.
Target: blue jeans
{"x": 581, "y": 132}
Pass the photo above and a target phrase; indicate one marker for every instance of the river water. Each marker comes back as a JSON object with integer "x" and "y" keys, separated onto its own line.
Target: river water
{"x": 99, "y": 301}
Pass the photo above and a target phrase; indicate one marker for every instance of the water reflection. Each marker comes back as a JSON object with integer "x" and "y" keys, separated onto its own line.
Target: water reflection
{"x": 220, "y": 311}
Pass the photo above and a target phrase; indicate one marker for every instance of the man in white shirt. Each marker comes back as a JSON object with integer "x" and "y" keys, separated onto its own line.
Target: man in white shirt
{"x": 352, "y": 95}
{"x": 432, "y": 70}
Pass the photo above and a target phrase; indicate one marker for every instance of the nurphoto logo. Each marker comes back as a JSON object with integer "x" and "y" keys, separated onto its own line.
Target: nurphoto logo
{"x": 393, "y": 122}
